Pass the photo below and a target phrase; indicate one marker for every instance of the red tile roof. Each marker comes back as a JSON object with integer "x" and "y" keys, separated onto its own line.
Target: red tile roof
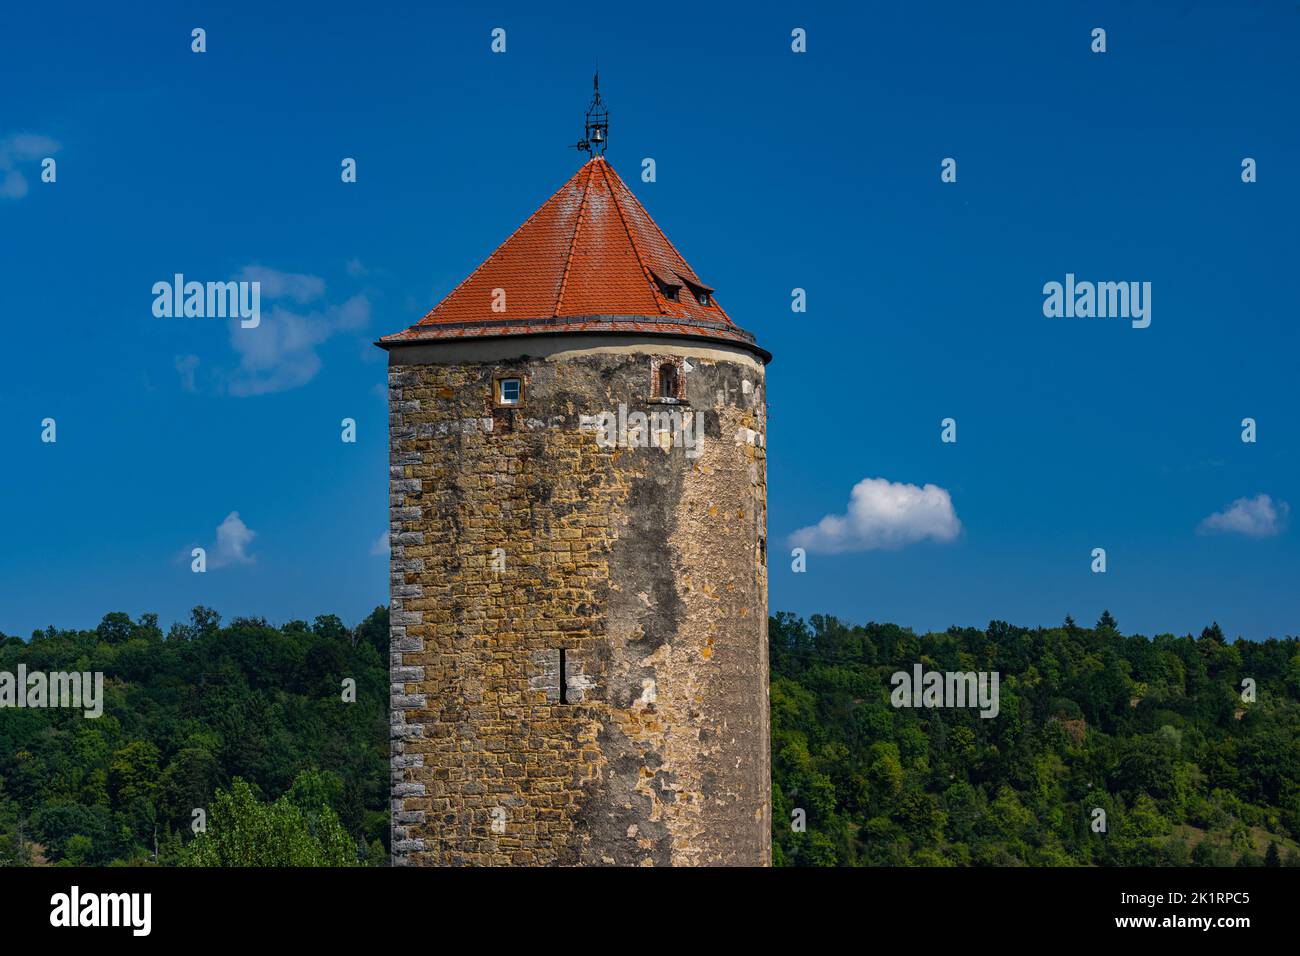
{"x": 589, "y": 260}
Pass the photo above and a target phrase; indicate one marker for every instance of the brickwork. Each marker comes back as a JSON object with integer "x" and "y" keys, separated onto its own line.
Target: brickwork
{"x": 645, "y": 565}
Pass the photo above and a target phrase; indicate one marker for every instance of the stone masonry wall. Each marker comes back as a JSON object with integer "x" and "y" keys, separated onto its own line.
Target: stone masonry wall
{"x": 646, "y": 565}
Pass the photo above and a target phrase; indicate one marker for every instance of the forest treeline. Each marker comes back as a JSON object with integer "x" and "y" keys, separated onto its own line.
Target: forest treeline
{"x": 255, "y": 725}
{"x": 245, "y": 721}
{"x": 1149, "y": 738}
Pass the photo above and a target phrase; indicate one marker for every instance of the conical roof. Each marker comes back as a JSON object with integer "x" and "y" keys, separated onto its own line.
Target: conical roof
{"x": 590, "y": 260}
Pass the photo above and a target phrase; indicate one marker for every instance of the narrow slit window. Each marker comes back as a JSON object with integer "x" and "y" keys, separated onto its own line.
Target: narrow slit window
{"x": 564, "y": 679}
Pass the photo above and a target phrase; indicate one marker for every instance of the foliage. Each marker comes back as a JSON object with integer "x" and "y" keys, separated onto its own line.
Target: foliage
{"x": 1153, "y": 732}
{"x": 298, "y": 829}
{"x": 244, "y": 721}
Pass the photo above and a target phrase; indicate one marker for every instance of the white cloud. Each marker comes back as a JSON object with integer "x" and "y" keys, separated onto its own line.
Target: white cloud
{"x": 357, "y": 269}
{"x": 233, "y": 539}
{"x": 186, "y": 366}
{"x": 883, "y": 514}
{"x": 13, "y": 185}
{"x": 380, "y": 547}
{"x": 21, "y": 148}
{"x": 298, "y": 286}
{"x": 1258, "y": 517}
{"x": 280, "y": 353}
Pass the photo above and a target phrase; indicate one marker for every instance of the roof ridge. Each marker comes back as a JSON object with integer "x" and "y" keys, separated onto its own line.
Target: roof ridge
{"x": 573, "y": 242}
{"x": 663, "y": 235}
{"x": 505, "y": 242}
{"x": 649, "y": 275}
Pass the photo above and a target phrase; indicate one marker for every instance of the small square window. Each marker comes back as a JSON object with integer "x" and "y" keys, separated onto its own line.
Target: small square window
{"x": 702, "y": 298}
{"x": 509, "y": 391}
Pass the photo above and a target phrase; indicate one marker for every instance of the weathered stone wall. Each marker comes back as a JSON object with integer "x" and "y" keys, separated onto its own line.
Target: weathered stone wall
{"x": 647, "y": 565}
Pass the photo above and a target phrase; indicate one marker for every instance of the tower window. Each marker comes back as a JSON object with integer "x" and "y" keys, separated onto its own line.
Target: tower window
{"x": 668, "y": 289}
{"x": 703, "y": 294}
{"x": 509, "y": 391}
{"x": 564, "y": 679}
{"x": 668, "y": 381}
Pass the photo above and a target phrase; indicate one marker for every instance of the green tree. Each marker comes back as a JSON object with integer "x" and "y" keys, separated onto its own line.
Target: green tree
{"x": 133, "y": 772}
{"x": 242, "y": 831}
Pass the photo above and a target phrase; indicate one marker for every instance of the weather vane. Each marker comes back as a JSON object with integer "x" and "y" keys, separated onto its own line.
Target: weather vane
{"x": 596, "y": 132}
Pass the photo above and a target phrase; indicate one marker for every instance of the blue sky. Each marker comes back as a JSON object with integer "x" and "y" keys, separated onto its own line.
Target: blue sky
{"x": 775, "y": 170}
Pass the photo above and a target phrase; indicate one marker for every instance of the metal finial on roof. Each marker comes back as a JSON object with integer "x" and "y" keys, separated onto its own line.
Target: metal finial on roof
{"x": 595, "y": 134}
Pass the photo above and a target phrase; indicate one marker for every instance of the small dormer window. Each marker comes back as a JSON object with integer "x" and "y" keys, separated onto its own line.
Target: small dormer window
{"x": 669, "y": 290}
{"x": 509, "y": 391}
{"x": 702, "y": 293}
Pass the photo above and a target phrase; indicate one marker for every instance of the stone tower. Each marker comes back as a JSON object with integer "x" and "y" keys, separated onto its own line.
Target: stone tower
{"x": 579, "y": 557}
